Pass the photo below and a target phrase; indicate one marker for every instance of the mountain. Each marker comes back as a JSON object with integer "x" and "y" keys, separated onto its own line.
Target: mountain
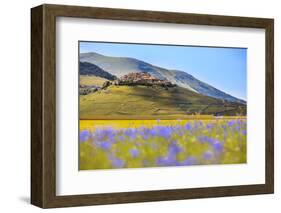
{"x": 120, "y": 66}
{"x": 86, "y": 68}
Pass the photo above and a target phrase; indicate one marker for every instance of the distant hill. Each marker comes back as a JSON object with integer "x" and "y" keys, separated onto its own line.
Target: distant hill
{"x": 120, "y": 66}
{"x": 86, "y": 68}
{"x": 142, "y": 102}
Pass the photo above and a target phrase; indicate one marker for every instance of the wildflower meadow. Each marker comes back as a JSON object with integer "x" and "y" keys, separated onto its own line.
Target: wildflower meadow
{"x": 113, "y": 144}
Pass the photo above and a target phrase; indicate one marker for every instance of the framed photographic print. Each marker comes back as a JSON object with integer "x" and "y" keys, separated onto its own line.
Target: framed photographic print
{"x": 137, "y": 106}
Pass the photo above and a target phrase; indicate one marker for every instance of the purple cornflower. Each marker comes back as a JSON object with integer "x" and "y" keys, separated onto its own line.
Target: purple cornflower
{"x": 121, "y": 138}
{"x": 134, "y": 152}
{"x": 204, "y": 139}
{"x": 117, "y": 162}
{"x": 174, "y": 149}
{"x": 111, "y": 138}
{"x": 218, "y": 147}
{"x": 207, "y": 155}
{"x": 105, "y": 145}
{"x": 104, "y": 133}
{"x": 189, "y": 161}
{"x": 144, "y": 134}
{"x": 164, "y": 131}
{"x": 238, "y": 127}
{"x": 231, "y": 123}
{"x": 84, "y": 135}
{"x": 131, "y": 133}
{"x": 171, "y": 158}
{"x": 224, "y": 127}
{"x": 210, "y": 126}
{"x": 152, "y": 132}
{"x": 166, "y": 161}
{"x": 187, "y": 126}
{"x": 216, "y": 144}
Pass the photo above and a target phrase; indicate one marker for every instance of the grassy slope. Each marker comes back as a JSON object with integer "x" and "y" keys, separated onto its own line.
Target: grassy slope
{"x": 91, "y": 80}
{"x": 125, "y": 102}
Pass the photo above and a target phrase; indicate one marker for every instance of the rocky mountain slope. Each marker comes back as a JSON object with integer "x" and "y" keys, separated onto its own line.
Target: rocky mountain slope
{"x": 86, "y": 68}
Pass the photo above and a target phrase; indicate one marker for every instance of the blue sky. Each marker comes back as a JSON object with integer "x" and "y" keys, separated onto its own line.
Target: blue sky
{"x": 223, "y": 68}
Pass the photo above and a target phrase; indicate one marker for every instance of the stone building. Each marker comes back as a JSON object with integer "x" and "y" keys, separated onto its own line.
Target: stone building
{"x": 142, "y": 78}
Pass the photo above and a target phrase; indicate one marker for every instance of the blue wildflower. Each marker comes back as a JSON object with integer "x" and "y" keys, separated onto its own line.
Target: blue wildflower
{"x": 117, "y": 162}
{"x": 105, "y": 145}
{"x": 224, "y": 127}
{"x": 170, "y": 158}
{"x": 189, "y": 161}
{"x": 174, "y": 149}
{"x": 134, "y": 152}
{"x": 131, "y": 133}
{"x": 152, "y": 132}
{"x": 104, "y": 134}
{"x": 218, "y": 147}
{"x": 84, "y": 135}
{"x": 180, "y": 133}
{"x": 210, "y": 126}
{"x": 204, "y": 139}
{"x": 207, "y": 155}
{"x": 144, "y": 135}
{"x": 216, "y": 144}
{"x": 238, "y": 127}
{"x": 121, "y": 138}
{"x": 164, "y": 131}
{"x": 111, "y": 138}
{"x": 187, "y": 126}
{"x": 231, "y": 123}
{"x": 166, "y": 161}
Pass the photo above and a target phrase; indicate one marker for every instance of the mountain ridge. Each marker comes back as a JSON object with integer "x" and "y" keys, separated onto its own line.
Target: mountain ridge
{"x": 86, "y": 68}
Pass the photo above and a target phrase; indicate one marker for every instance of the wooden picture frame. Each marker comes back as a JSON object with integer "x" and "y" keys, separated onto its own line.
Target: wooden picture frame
{"x": 43, "y": 105}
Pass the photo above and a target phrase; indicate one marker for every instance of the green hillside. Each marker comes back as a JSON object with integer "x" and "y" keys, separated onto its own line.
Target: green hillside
{"x": 120, "y": 66}
{"x": 86, "y": 80}
{"x": 127, "y": 102}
